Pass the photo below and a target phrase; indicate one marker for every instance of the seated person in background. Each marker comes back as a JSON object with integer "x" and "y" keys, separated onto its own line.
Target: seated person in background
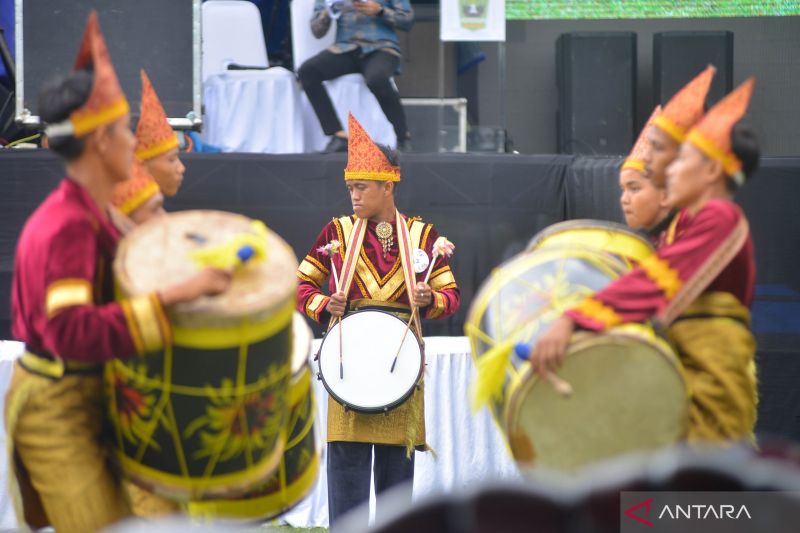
{"x": 366, "y": 42}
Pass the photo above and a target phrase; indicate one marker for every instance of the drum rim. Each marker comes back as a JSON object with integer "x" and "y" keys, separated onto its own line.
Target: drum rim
{"x": 526, "y": 378}
{"x": 385, "y": 408}
{"x": 189, "y": 316}
{"x": 583, "y": 223}
{"x": 488, "y": 289}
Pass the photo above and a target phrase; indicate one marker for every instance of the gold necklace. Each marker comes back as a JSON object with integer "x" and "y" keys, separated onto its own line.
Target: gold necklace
{"x": 384, "y": 233}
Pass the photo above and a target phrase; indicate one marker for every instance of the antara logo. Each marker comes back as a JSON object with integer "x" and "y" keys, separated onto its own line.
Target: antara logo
{"x": 704, "y": 512}
{"x": 687, "y": 512}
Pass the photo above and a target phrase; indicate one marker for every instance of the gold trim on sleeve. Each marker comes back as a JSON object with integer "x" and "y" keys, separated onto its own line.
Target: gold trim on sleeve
{"x": 67, "y": 292}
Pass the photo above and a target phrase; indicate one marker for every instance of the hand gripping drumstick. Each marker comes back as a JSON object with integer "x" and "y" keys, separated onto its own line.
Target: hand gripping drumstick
{"x": 440, "y": 247}
{"x": 330, "y": 249}
{"x": 562, "y": 387}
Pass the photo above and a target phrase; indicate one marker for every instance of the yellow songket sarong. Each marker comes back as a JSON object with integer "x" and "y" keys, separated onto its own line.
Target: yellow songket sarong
{"x": 717, "y": 349}
{"x": 55, "y": 426}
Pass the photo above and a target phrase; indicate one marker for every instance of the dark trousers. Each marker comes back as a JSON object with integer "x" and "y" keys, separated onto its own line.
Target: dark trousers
{"x": 349, "y": 473}
{"x": 377, "y": 69}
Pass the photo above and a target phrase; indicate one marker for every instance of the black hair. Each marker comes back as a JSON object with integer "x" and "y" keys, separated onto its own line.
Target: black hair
{"x": 744, "y": 144}
{"x": 57, "y": 100}
{"x": 391, "y": 155}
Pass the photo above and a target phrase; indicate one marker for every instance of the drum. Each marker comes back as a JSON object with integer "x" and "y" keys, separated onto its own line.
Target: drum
{"x": 205, "y": 417}
{"x": 600, "y": 235}
{"x": 629, "y": 395}
{"x": 362, "y": 379}
{"x": 298, "y": 470}
{"x": 518, "y": 303}
{"x": 522, "y": 297}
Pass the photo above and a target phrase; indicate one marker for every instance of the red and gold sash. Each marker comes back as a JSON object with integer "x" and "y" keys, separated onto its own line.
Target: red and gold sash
{"x": 707, "y": 273}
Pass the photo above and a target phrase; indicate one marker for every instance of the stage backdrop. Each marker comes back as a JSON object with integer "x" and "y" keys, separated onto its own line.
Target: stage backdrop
{"x": 488, "y": 205}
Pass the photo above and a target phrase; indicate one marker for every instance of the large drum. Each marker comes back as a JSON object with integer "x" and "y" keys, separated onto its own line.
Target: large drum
{"x": 356, "y": 357}
{"x": 298, "y": 470}
{"x": 519, "y": 302}
{"x": 205, "y": 417}
{"x": 599, "y": 235}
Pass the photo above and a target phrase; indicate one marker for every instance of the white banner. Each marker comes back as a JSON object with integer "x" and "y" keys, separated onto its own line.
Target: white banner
{"x": 473, "y": 20}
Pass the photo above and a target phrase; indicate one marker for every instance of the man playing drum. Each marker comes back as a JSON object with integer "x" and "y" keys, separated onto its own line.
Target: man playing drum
{"x": 375, "y": 241}
{"x": 699, "y": 283}
{"x": 63, "y": 308}
{"x": 665, "y": 131}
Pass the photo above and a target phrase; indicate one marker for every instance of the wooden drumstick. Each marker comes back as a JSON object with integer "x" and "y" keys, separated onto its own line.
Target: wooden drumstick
{"x": 441, "y": 246}
{"x": 561, "y": 386}
{"x": 330, "y": 249}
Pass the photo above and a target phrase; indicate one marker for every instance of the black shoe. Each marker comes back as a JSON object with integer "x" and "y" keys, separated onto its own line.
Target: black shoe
{"x": 404, "y": 145}
{"x": 336, "y": 144}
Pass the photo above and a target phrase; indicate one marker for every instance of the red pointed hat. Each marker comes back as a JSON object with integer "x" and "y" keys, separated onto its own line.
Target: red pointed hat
{"x": 154, "y": 135}
{"x": 365, "y": 161}
{"x": 106, "y": 102}
{"x": 686, "y": 108}
{"x": 638, "y": 155}
{"x": 136, "y": 190}
{"x": 712, "y": 135}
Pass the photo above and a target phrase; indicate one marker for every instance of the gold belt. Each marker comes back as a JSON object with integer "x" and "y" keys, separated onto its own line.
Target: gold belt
{"x": 55, "y": 367}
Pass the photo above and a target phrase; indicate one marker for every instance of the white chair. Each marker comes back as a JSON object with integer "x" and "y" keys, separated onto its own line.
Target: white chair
{"x": 246, "y": 110}
{"x": 348, "y": 93}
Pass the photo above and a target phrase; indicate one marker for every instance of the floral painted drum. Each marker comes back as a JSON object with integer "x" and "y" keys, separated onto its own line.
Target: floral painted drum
{"x": 206, "y": 417}
{"x": 297, "y": 474}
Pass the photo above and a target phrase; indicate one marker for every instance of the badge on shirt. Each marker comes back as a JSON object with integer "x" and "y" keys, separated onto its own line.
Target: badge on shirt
{"x": 421, "y": 261}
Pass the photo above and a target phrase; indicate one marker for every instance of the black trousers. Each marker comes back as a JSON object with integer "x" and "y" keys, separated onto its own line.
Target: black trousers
{"x": 377, "y": 69}
{"x": 349, "y": 465}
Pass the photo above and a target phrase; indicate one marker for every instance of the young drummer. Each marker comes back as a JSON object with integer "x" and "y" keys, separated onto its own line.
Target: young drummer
{"x": 699, "y": 284}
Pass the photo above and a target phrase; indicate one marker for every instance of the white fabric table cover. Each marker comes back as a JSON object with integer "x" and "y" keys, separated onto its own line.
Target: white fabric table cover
{"x": 254, "y": 111}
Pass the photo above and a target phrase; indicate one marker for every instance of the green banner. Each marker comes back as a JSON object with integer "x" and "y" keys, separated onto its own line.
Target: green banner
{"x": 640, "y": 9}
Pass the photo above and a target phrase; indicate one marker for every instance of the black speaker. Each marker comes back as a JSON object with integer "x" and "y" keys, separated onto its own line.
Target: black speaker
{"x": 679, "y": 56}
{"x": 596, "y": 76}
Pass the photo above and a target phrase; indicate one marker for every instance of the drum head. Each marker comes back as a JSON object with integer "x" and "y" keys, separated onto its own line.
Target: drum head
{"x": 524, "y": 295}
{"x": 605, "y": 236}
{"x": 629, "y": 395}
{"x": 370, "y": 340}
{"x": 158, "y": 254}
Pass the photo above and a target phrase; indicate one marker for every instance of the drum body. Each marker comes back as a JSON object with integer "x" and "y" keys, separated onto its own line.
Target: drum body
{"x": 365, "y": 382}
{"x": 609, "y": 373}
{"x": 297, "y": 473}
{"x": 205, "y": 417}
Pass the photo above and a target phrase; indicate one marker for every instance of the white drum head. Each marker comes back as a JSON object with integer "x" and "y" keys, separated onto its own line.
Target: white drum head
{"x": 370, "y": 341}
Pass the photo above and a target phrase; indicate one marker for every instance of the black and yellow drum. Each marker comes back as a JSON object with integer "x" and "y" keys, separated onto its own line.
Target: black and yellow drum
{"x": 297, "y": 473}
{"x": 520, "y": 300}
{"x": 600, "y": 235}
{"x": 206, "y": 417}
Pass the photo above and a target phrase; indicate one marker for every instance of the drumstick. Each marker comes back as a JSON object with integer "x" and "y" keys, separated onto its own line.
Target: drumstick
{"x": 441, "y": 246}
{"x": 561, "y": 386}
{"x": 330, "y": 249}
